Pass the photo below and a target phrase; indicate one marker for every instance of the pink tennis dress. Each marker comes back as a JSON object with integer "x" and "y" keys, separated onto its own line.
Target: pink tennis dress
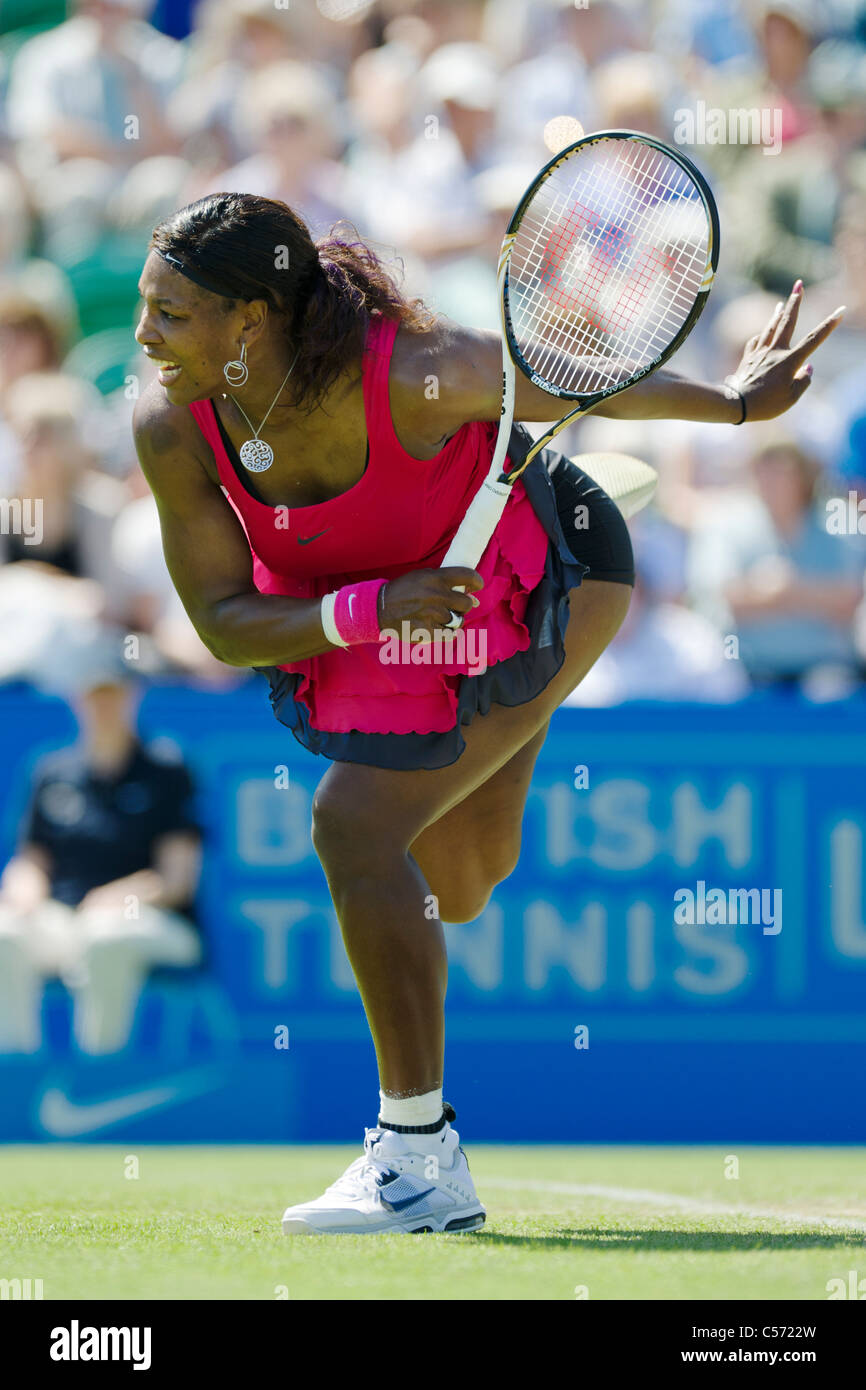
{"x": 349, "y": 703}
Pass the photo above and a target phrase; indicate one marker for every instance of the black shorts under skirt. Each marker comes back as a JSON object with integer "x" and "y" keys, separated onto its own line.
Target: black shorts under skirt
{"x": 593, "y": 542}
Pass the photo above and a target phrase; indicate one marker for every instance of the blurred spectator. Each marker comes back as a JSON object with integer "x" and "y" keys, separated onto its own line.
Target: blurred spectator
{"x": 100, "y": 890}
{"x": 552, "y": 82}
{"x": 705, "y": 31}
{"x": 766, "y": 568}
{"x": 381, "y": 103}
{"x": 233, "y": 41}
{"x": 43, "y": 614}
{"x": 30, "y": 286}
{"x": 633, "y": 92}
{"x": 446, "y": 21}
{"x": 87, "y": 101}
{"x": 847, "y": 285}
{"x": 662, "y": 652}
{"x": 785, "y": 209}
{"x": 426, "y": 203}
{"x": 31, "y": 340}
{"x": 287, "y": 110}
{"x": 465, "y": 286}
{"x": 15, "y": 229}
{"x": 785, "y": 35}
{"x": 555, "y": 79}
{"x": 52, "y": 415}
{"x": 145, "y": 599}
{"x": 787, "y": 31}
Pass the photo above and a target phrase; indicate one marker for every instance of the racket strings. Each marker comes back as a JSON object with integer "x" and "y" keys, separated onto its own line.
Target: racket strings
{"x": 607, "y": 228}
{"x": 591, "y": 314}
{"x": 612, "y": 317}
{"x": 607, "y": 263}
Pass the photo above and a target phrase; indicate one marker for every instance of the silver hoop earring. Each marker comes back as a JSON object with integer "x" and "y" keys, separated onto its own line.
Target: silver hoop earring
{"x": 237, "y": 371}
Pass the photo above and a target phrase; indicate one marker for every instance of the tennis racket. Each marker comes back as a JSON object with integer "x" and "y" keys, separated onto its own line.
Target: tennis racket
{"x": 604, "y": 270}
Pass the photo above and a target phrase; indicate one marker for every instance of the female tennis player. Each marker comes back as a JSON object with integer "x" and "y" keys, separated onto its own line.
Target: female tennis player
{"x": 313, "y": 441}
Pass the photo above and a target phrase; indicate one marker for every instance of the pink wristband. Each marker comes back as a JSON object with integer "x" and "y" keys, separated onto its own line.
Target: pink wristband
{"x": 356, "y": 611}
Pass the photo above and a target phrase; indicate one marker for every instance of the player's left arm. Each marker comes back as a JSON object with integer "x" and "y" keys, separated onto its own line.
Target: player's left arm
{"x": 454, "y": 375}
{"x": 771, "y": 377}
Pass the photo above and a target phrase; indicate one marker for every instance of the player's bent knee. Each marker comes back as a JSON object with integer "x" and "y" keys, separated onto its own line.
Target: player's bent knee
{"x": 463, "y": 907}
{"x": 330, "y": 826}
{"x": 500, "y": 861}
{"x": 468, "y": 890}
{"x": 344, "y": 832}
{"x": 467, "y": 901}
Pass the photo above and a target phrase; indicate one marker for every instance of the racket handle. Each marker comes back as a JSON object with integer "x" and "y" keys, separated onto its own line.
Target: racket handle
{"x": 475, "y": 530}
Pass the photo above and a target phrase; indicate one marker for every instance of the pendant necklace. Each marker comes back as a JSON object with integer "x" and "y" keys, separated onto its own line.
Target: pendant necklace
{"x": 256, "y": 454}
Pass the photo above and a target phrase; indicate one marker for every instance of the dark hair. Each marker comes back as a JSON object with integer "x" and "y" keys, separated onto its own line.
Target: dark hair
{"x": 247, "y": 247}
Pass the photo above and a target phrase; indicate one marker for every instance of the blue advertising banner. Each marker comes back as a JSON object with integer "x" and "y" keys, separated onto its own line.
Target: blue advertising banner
{"x": 679, "y": 956}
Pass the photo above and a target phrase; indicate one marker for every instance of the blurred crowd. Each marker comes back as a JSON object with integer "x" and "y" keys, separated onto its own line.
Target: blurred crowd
{"x": 421, "y": 121}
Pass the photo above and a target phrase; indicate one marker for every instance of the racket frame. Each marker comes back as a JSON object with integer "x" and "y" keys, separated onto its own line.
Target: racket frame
{"x": 482, "y": 516}
{"x": 588, "y": 401}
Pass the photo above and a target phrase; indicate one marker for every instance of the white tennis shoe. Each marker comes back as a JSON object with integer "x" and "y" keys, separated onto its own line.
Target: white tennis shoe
{"x": 405, "y": 1183}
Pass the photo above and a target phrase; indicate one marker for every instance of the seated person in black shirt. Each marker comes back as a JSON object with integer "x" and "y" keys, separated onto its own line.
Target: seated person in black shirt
{"x": 100, "y": 890}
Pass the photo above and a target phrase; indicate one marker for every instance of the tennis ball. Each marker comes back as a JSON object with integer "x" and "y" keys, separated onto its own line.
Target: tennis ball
{"x": 562, "y": 131}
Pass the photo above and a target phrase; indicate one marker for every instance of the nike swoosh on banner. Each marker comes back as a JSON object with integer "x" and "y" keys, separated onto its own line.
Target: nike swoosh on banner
{"x": 64, "y": 1118}
{"x": 305, "y": 540}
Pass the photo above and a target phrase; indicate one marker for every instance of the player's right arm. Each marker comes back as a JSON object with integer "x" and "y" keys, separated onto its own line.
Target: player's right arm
{"x": 210, "y": 564}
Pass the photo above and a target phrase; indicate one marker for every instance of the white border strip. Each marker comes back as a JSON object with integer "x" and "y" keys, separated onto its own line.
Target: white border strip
{"x": 646, "y": 1197}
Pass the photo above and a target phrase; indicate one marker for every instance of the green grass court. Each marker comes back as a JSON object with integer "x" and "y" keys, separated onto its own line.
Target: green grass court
{"x": 626, "y": 1223}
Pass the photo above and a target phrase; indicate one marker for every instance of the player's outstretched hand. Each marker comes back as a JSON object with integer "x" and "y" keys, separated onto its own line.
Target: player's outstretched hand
{"x": 426, "y": 599}
{"x": 772, "y": 374}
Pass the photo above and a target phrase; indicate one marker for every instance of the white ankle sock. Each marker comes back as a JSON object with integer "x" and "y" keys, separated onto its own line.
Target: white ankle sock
{"x": 411, "y": 1110}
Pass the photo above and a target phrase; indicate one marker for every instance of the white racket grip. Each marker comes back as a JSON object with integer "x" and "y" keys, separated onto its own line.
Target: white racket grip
{"x": 488, "y": 504}
{"x": 479, "y": 523}
{"x": 475, "y": 530}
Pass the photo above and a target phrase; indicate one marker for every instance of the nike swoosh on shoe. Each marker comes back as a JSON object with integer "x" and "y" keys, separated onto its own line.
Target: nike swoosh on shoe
{"x": 405, "y": 1202}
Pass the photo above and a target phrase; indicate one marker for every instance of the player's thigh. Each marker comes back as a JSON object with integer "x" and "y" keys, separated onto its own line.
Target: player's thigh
{"x": 356, "y": 807}
{"x": 476, "y": 844}
{"x": 598, "y": 609}
{"x": 481, "y": 835}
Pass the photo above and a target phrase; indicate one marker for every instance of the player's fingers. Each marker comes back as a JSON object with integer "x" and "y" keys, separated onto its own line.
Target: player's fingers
{"x": 802, "y": 381}
{"x": 450, "y": 616}
{"x": 461, "y": 575}
{"x": 460, "y": 603}
{"x": 788, "y": 318}
{"x": 763, "y": 338}
{"x": 807, "y": 345}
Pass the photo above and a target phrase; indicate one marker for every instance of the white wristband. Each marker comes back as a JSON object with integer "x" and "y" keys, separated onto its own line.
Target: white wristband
{"x": 329, "y": 627}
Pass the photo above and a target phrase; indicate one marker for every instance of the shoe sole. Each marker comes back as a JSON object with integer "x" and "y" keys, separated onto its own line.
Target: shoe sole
{"x": 457, "y": 1225}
